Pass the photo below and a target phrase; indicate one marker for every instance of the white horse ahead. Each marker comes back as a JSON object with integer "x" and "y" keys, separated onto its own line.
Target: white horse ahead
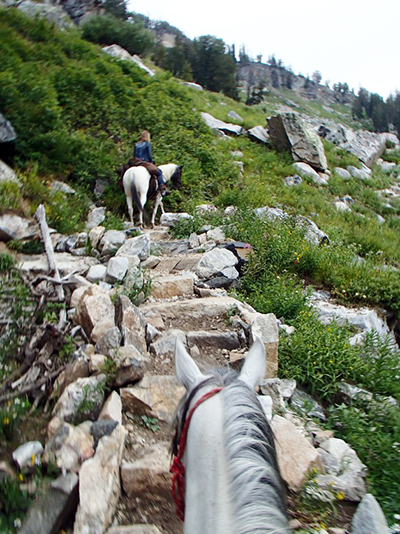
{"x": 137, "y": 186}
{"x": 226, "y": 477}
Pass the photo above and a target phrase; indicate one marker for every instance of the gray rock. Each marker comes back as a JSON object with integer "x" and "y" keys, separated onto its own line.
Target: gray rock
{"x": 120, "y": 53}
{"x": 53, "y": 14}
{"x": 81, "y": 400}
{"x": 15, "y": 227}
{"x": 170, "y": 219}
{"x": 217, "y": 340}
{"x": 218, "y": 261}
{"x": 259, "y": 133}
{"x": 52, "y": 510}
{"x": 95, "y": 312}
{"x": 306, "y": 405}
{"x": 164, "y": 345}
{"x": 344, "y": 470}
{"x": 7, "y": 132}
{"x": 100, "y": 186}
{"x": 69, "y": 447}
{"x": 111, "y": 241}
{"x": 117, "y": 268}
{"x": 136, "y": 246}
{"x": 96, "y": 217}
{"x": 279, "y": 390}
{"x": 112, "y": 408}
{"x": 216, "y": 124}
{"x": 95, "y": 235}
{"x": 23, "y": 455}
{"x": 110, "y": 341}
{"x": 7, "y": 174}
{"x": 289, "y": 132}
{"x": 291, "y": 181}
{"x": 62, "y": 187}
{"x": 348, "y": 393}
{"x": 235, "y": 116}
{"x": 341, "y": 206}
{"x": 131, "y": 365}
{"x": 131, "y": 323}
{"x": 358, "y": 173}
{"x": 342, "y": 173}
{"x": 193, "y": 85}
{"x": 138, "y": 529}
{"x": 96, "y": 273}
{"x": 100, "y": 428}
{"x": 306, "y": 170}
{"x": 265, "y": 327}
{"x": 369, "y": 518}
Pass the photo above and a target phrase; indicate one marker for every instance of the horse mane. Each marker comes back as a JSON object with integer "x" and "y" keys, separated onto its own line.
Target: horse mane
{"x": 256, "y": 486}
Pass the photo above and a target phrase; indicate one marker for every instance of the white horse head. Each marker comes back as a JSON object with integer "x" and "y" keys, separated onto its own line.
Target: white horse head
{"x": 136, "y": 182}
{"x": 232, "y": 479}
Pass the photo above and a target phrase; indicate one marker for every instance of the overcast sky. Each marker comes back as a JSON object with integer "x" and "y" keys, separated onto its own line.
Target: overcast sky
{"x": 353, "y": 41}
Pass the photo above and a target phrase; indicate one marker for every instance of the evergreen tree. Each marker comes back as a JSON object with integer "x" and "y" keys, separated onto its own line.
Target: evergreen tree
{"x": 213, "y": 67}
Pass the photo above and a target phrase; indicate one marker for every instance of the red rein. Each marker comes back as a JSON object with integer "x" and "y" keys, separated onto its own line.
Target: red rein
{"x": 177, "y": 468}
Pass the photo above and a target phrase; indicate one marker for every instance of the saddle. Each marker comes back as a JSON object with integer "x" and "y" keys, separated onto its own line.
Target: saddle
{"x": 151, "y": 169}
{"x": 135, "y": 162}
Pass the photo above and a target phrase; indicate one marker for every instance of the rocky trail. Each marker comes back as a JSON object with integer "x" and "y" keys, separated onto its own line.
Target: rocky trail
{"x": 111, "y": 420}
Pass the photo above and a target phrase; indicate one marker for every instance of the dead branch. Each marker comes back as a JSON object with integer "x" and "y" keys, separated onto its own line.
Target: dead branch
{"x": 31, "y": 387}
{"x": 48, "y": 246}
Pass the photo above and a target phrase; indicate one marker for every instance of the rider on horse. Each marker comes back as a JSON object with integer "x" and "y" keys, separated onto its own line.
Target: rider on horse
{"x": 142, "y": 155}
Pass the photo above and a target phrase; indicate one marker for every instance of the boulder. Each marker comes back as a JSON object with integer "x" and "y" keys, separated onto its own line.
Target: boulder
{"x": 15, "y": 227}
{"x": 291, "y": 181}
{"x": 362, "y": 174}
{"x": 369, "y": 517}
{"x": 6, "y": 173}
{"x": 96, "y": 273}
{"x": 155, "y": 396}
{"x": 164, "y": 287}
{"x": 111, "y": 241}
{"x": 81, "y": 400}
{"x": 259, "y": 133}
{"x": 170, "y": 219}
{"x": 112, "y": 408}
{"x": 136, "y": 246}
{"x": 224, "y": 127}
{"x": 344, "y": 471}
{"x": 135, "y": 529}
{"x": 95, "y": 235}
{"x": 296, "y": 456}
{"x": 117, "y": 268}
{"x": 95, "y": 312}
{"x": 110, "y": 341}
{"x": 7, "y": 132}
{"x": 69, "y": 447}
{"x": 99, "y": 484}
{"x": 62, "y": 187}
{"x": 265, "y": 327}
{"x": 289, "y": 132}
{"x": 218, "y": 262}
{"x": 54, "y": 14}
{"x": 306, "y": 405}
{"x": 213, "y": 340}
{"x": 120, "y": 53}
{"x": 131, "y": 323}
{"x": 342, "y": 173}
{"x": 131, "y": 365}
{"x": 164, "y": 345}
{"x": 235, "y": 116}
{"x": 54, "y": 507}
{"x": 149, "y": 473}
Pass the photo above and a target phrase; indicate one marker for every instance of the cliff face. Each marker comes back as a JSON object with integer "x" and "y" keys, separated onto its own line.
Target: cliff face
{"x": 253, "y": 75}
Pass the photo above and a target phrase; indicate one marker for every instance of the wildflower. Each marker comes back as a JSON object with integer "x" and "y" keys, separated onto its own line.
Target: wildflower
{"x": 21, "y": 477}
{"x": 340, "y": 495}
{"x": 6, "y": 421}
{"x": 314, "y": 363}
{"x": 17, "y": 523}
{"x": 330, "y": 361}
{"x": 33, "y": 459}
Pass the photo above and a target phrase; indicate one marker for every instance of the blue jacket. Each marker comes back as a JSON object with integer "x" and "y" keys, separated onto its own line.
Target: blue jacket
{"x": 142, "y": 151}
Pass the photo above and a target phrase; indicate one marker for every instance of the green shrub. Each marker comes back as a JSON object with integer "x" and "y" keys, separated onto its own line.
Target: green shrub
{"x": 7, "y": 262}
{"x": 14, "y": 503}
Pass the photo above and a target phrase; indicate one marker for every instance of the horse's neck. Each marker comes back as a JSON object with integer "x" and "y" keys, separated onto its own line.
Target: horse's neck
{"x": 208, "y": 507}
{"x": 167, "y": 170}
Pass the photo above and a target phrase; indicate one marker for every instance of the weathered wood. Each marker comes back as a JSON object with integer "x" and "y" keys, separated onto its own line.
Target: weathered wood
{"x": 48, "y": 247}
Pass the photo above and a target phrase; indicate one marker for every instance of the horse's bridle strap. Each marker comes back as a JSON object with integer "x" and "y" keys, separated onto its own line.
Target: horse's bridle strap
{"x": 177, "y": 468}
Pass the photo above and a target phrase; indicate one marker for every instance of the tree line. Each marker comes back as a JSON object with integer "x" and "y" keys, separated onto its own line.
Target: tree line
{"x": 210, "y": 62}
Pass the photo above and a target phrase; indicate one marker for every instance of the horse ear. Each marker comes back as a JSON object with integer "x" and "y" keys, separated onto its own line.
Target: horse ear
{"x": 253, "y": 370}
{"x": 186, "y": 370}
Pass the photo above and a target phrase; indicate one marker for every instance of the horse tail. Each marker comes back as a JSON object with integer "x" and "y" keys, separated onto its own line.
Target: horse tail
{"x": 136, "y": 197}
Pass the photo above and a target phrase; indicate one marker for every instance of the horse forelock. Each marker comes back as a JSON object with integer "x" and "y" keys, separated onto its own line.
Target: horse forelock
{"x": 255, "y": 484}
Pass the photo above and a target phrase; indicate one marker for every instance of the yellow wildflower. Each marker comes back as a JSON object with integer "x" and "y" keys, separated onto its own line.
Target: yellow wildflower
{"x": 6, "y": 421}
{"x": 340, "y": 495}
{"x": 33, "y": 459}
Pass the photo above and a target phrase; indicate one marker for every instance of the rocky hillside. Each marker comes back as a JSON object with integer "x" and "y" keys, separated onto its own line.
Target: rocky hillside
{"x": 285, "y": 228}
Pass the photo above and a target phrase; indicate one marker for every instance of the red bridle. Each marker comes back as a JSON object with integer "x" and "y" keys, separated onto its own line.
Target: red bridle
{"x": 177, "y": 468}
